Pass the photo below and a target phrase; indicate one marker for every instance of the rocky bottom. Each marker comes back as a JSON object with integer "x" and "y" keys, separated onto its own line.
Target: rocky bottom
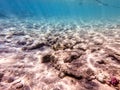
{"x": 60, "y": 60}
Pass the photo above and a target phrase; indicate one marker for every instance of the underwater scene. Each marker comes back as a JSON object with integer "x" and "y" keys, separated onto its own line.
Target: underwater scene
{"x": 59, "y": 44}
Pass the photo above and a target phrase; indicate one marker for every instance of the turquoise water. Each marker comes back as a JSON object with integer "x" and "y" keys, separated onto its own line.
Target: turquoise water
{"x": 61, "y": 9}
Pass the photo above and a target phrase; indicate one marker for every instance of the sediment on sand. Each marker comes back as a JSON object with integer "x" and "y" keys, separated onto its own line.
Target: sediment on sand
{"x": 59, "y": 57}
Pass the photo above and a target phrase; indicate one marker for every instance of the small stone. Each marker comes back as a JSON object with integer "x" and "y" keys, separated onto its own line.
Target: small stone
{"x": 91, "y": 78}
{"x": 58, "y": 46}
{"x": 20, "y": 33}
{"x": 101, "y": 77}
{"x": 8, "y": 36}
{"x": 1, "y": 76}
{"x": 81, "y": 46}
{"x": 10, "y": 79}
{"x": 61, "y": 75}
{"x": 24, "y": 48}
{"x": 101, "y": 62}
{"x": 36, "y": 46}
{"x": 98, "y": 41}
{"x": 47, "y": 58}
{"x": 19, "y": 85}
{"x": 73, "y": 56}
{"x": 21, "y": 42}
{"x": 7, "y": 79}
{"x": 89, "y": 72}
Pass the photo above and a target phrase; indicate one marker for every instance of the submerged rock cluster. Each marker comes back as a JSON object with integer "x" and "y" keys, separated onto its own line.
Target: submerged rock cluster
{"x": 54, "y": 57}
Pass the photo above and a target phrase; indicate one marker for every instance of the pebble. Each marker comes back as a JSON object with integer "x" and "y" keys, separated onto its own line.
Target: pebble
{"x": 47, "y": 58}
{"x": 19, "y": 85}
{"x": 101, "y": 77}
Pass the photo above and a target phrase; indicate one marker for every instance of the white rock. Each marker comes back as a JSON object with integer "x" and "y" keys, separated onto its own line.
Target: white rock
{"x": 101, "y": 77}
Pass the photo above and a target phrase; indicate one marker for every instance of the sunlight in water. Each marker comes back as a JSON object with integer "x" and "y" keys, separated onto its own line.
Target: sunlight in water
{"x": 59, "y": 44}
{"x": 85, "y": 9}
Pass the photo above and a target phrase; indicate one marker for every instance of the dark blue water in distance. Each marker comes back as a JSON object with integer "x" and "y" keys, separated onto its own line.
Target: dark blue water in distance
{"x": 61, "y": 9}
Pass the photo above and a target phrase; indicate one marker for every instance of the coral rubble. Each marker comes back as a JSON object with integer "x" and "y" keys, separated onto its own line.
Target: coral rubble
{"x": 59, "y": 58}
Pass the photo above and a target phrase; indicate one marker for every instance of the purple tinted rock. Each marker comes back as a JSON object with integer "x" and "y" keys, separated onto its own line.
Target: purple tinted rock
{"x": 114, "y": 81}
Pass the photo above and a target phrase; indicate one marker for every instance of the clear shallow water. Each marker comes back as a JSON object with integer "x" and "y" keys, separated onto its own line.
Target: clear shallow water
{"x": 31, "y": 28}
{"x": 61, "y": 9}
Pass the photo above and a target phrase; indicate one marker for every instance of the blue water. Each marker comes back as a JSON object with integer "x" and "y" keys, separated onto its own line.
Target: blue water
{"x": 61, "y": 9}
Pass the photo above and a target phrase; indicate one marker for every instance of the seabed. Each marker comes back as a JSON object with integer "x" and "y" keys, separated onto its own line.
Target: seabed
{"x": 59, "y": 56}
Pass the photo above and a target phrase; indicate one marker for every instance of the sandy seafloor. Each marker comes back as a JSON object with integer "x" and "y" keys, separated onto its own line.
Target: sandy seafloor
{"x": 46, "y": 55}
